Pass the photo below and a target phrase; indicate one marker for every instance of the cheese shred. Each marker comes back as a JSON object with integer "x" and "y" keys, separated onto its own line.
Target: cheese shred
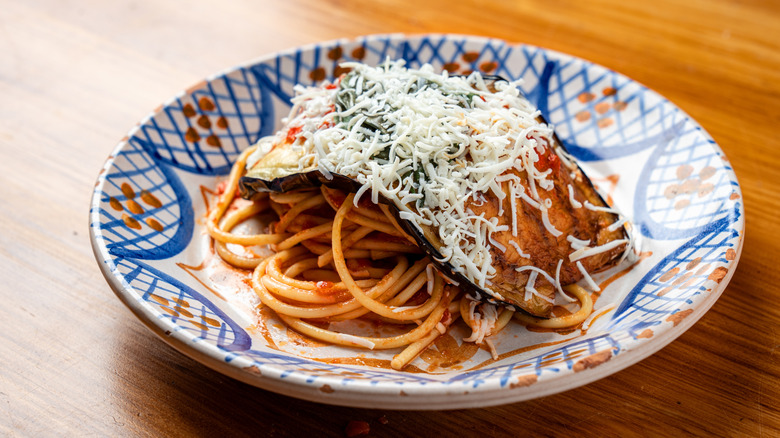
{"x": 430, "y": 140}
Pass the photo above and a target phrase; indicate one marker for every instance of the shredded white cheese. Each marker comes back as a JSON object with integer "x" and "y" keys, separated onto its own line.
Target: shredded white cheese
{"x": 588, "y": 251}
{"x": 549, "y": 226}
{"x": 530, "y": 290}
{"x": 520, "y": 251}
{"x": 430, "y": 141}
{"x": 617, "y": 224}
{"x": 435, "y": 144}
{"x": 590, "y": 206}
{"x": 498, "y": 246}
{"x": 577, "y": 243}
{"x": 533, "y": 291}
{"x": 355, "y": 340}
{"x": 492, "y": 347}
{"x": 558, "y": 286}
{"x": 574, "y": 203}
{"x": 592, "y": 284}
{"x": 483, "y": 320}
{"x": 429, "y": 275}
{"x": 400, "y": 309}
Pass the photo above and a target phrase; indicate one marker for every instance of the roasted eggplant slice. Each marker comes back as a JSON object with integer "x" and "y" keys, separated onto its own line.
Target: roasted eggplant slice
{"x": 471, "y": 170}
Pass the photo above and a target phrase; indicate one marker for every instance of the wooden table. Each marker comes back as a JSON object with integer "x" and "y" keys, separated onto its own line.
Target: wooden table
{"x": 75, "y": 76}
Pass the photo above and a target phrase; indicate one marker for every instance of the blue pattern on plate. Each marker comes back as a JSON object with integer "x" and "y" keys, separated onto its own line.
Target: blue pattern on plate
{"x": 585, "y": 102}
{"x": 134, "y": 168}
{"x": 236, "y": 96}
{"x": 646, "y": 300}
{"x": 661, "y": 218}
{"x": 182, "y": 307}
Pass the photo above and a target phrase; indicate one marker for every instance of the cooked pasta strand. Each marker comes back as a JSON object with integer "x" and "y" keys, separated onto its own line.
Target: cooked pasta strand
{"x": 586, "y": 308}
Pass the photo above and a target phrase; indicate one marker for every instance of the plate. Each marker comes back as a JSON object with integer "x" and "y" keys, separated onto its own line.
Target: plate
{"x": 648, "y": 158}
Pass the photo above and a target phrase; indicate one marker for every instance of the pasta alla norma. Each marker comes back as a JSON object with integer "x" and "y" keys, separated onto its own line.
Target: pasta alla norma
{"x": 416, "y": 198}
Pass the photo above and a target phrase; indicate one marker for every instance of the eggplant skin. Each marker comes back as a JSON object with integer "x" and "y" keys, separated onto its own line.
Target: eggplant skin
{"x": 250, "y": 187}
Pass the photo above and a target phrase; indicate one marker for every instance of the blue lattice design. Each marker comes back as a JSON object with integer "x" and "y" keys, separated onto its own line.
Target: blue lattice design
{"x": 135, "y": 169}
{"x": 697, "y": 221}
{"x": 527, "y": 64}
{"x": 203, "y": 130}
{"x": 658, "y": 295}
{"x": 674, "y": 205}
{"x": 534, "y": 75}
{"x": 608, "y": 131}
{"x": 550, "y": 362}
{"x": 281, "y": 74}
{"x": 181, "y": 307}
{"x": 284, "y": 72}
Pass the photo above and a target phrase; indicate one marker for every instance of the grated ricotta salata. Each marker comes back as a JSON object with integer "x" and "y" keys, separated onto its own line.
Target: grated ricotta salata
{"x": 430, "y": 141}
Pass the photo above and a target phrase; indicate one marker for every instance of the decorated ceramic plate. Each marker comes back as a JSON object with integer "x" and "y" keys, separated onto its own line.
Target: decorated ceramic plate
{"x": 647, "y": 157}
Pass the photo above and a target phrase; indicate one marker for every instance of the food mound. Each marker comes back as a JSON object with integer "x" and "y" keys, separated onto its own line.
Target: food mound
{"x": 412, "y": 199}
{"x": 468, "y": 166}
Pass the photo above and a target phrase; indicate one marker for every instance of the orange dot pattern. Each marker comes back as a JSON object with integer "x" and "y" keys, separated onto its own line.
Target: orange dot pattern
{"x": 692, "y": 273}
{"x": 339, "y": 70}
{"x": 134, "y": 208}
{"x": 318, "y": 74}
{"x": 676, "y": 318}
{"x": 191, "y": 135}
{"x": 150, "y": 200}
{"x": 488, "y": 66}
{"x": 451, "y": 67}
{"x": 359, "y": 53}
{"x": 470, "y": 57}
{"x": 689, "y": 185}
{"x": 130, "y": 222}
{"x": 470, "y": 62}
{"x": 178, "y": 308}
{"x": 213, "y": 140}
{"x": 205, "y": 104}
{"x": 599, "y": 111}
{"x": 336, "y": 55}
{"x": 204, "y": 124}
{"x": 115, "y": 204}
{"x": 153, "y": 224}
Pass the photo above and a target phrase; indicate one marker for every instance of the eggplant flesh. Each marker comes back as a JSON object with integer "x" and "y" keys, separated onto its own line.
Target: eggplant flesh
{"x": 279, "y": 171}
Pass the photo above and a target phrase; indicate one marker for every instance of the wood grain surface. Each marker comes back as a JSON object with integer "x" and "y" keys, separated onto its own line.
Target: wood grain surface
{"x": 75, "y": 76}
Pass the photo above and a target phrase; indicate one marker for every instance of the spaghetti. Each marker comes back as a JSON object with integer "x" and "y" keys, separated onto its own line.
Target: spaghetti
{"x": 333, "y": 261}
